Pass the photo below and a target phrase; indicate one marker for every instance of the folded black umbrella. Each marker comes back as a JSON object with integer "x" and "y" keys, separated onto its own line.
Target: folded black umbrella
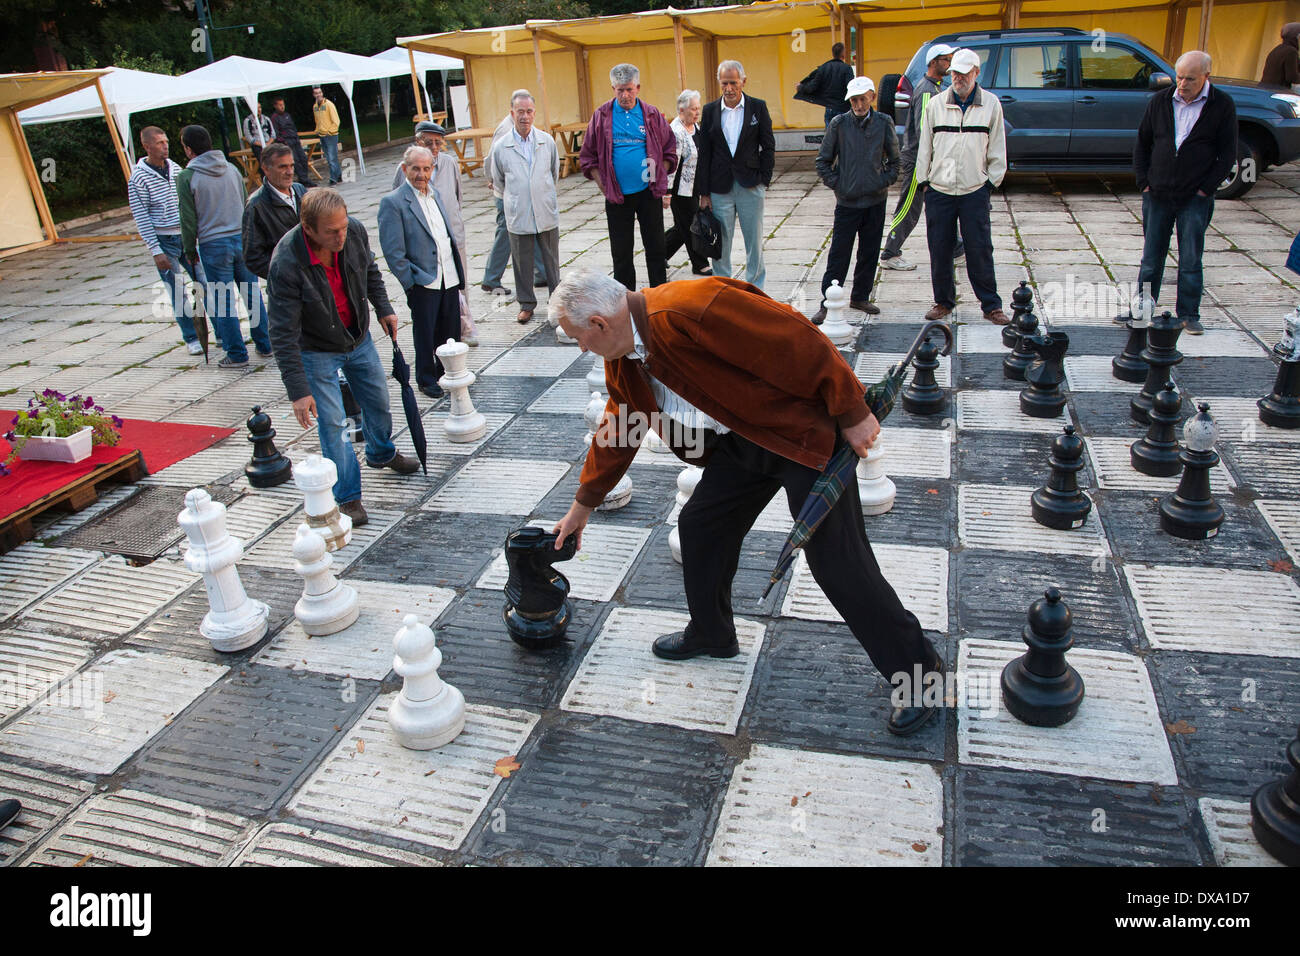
{"x": 706, "y": 234}
{"x": 402, "y": 374}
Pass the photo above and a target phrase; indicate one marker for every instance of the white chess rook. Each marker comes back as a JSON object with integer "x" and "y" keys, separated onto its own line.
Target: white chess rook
{"x": 234, "y": 620}
{"x": 686, "y": 481}
{"x": 875, "y": 489}
{"x": 315, "y": 478}
{"x": 428, "y": 712}
{"x": 621, "y": 493}
{"x": 835, "y": 327}
{"x": 327, "y": 605}
{"x": 464, "y": 424}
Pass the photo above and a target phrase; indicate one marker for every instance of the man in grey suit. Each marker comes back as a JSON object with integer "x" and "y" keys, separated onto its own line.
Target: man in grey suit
{"x": 420, "y": 250}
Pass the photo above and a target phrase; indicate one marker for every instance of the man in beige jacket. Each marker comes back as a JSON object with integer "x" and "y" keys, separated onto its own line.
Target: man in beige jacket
{"x": 962, "y": 156}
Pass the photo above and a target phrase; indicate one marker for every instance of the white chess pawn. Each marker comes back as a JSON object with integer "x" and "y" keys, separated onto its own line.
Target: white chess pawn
{"x": 561, "y": 337}
{"x": 834, "y": 327}
{"x": 234, "y": 620}
{"x": 596, "y": 377}
{"x": 327, "y": 605}
{"x": 621, "y": 493}
{"x": 875, "y": 488}
{"x": 315, "y": 477}
{"x": 464, "y": 423}
{"x": 428, "y": 712}
{"x": 686, "y": 482}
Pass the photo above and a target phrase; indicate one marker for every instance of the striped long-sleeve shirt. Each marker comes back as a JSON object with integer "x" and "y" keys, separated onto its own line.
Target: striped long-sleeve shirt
{"x": 154, "y": 203}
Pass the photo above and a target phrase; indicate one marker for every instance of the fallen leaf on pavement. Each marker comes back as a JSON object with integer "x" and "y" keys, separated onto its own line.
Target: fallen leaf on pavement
{"x": 506, "y": 766}
{"x": 1282, "y": 565}
{"x": 1180, "y": 727}
{"x": 361, "y": 746}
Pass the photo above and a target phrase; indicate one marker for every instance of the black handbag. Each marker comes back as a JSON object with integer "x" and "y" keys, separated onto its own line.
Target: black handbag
{"x": 706, "y": 234}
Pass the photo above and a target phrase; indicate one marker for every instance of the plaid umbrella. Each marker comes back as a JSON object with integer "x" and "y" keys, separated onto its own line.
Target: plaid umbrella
{"x": 201, "y": 323}
{"x": 402, "y": 374}
{"x": 841, "y": 469}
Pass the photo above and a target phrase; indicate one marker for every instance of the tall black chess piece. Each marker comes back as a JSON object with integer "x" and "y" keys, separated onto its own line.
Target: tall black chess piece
{"x": 268, "y": 467}
{"x": 1129, "y": 366}
{"x": 1275, "y": 811}
{"x": 1191, "y": 512}
{"x": 924, "y": 396}
{"x": 1022, "y": 301}
{"x": 537, "y": 611}
{"x": 1157, "y": 452}
{"x": 1161, "y": 354}
{"x": 1061, "y": 504}
{"x": 352, "y": 411}
{"x": 1044, "y": 398}
{"x": 1040, "y": 688}
{"x": 1014, "y": 365}
{"x": 1282, "y": 408}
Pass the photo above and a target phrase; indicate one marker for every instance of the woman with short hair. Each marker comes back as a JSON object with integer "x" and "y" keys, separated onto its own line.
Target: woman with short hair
{"x": 682, "y": 199}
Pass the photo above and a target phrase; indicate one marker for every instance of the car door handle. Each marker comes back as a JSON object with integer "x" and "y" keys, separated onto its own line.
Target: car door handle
{"x": 1087, "y": 100}
{"x": 1007, "y": 99}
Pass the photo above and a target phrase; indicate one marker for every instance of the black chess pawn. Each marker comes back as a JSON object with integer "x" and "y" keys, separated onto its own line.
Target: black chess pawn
{"x": 1275, "y": 811}
{"x": 1022, "y": 301}
{"x": 1040, "y": 688}
{"x": 268, "y": 467}
{"x": 1161, "y": 354}
{"x": 1061, "y": 504}
{"x": 1014, "y": 365}
{"x": 1044, "y": 398}
{"x": 1129, "y": 366}
{"x": 923, "y": 395}
{"x": 537, "y": 610}
{"x": 1157, "y": 452}
{"x": 1191, "y": 512}
{"x": 352, "y": 411}
{"x": 1281, "y": 409}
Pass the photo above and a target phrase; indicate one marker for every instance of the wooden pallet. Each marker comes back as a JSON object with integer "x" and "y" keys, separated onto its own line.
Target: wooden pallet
{"x": 17, "y": 527}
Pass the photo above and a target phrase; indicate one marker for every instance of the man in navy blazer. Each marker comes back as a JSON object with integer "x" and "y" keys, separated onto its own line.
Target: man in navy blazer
{"x": 737, "y": 155}
{"x": 420, "y": 251}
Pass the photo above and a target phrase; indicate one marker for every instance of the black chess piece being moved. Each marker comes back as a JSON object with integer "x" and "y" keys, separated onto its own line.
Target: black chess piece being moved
{"x": 1040, "y": 688}
{"x": 1275, "y": 811}
{"x": 1060, "y": 504}
{"x": 537, "y": 611}
{"x": 268, "y": 467}
{"x": 923, "y": 395}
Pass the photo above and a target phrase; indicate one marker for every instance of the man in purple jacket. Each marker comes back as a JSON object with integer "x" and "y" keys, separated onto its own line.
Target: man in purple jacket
{"x": 630, "y": 151}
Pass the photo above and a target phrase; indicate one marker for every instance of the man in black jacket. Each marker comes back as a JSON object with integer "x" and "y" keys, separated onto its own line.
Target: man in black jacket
{"x": 859, "y": 160}
{"x": 737, "y": 155}
{"x": 272, "y": 210}
{"x": 286, "y": 131}
{"x": 1186, "y": 146}
{"x": 322, "y": 272}
{"x": 828, "y": 84}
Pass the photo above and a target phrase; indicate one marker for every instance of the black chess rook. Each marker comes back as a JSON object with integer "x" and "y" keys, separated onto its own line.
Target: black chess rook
{"x": 1275, "y": 811}
{"x": 268, "y": 467}
{"x": 1281, "y": 409}
{"x": 923, "y": 395}
{"x": 1156, "y": 453}
{"x": 1060, "y": 504}
{"x": 537, "y": 611}
{"x": 1129, "y": 366}
{"x": 1040, "y": 688}
{"x": 1191, "y": 512}
{"x": 1044, "y": 398}
{"x": 1161, "y": 354}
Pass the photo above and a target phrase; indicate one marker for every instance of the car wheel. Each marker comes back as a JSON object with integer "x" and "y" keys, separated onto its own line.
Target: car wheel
{"x": 888, "y": 87}
{"x": 1244, "y": 172}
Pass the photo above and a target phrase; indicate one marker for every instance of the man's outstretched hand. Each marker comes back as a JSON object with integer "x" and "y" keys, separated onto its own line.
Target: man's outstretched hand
{"x": 572, "y": 523}
{"x": 304, "y": 409}
{"x": 863, "y": 435}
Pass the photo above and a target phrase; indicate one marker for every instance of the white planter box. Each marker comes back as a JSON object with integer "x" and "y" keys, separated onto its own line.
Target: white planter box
{"x": 73, "y": 448}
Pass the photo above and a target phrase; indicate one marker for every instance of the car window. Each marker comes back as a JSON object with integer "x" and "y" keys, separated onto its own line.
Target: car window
{"x": 1113, "y": 68}
{"x": 1038, "y": 67}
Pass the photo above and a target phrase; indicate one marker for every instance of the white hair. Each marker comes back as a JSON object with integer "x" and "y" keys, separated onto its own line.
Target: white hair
{"x": 731, "y": 65}
{"x": 1198, "y": 56}
{"x": 518, "y": 95}
{"x": 585, "y": 293}
{"x": 624, "y": 73}
{"x": 413, "y": 152}
{"x": 684, "y": 98}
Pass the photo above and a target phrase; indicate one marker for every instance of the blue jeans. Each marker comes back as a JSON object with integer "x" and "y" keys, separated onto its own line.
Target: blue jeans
{"x": 1191, "y": 217}
{"x": 329, "y": 145}
{"x": 500, "y": 254}
{"x": 747, "y": 205}
{"x": 369, "y": 387}
{"x": 171, "y": 247}
{"x": 223, "y": 266}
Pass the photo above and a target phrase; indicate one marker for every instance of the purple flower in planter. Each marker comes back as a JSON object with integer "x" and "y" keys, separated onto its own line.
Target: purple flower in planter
{"x": 88, "y": 403}
{"x": 10, "y": 437}
{"x": 4, "y": 470}
{"x": 48, "y": 392}
{"x": 15, "y": 421}
{"x": 117, "y": 422}
{"x": 99, "y": 408}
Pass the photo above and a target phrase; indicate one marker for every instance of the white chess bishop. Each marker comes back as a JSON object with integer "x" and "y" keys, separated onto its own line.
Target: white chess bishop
{"x": 327, "y": 605}
{"x": 428, "y": 712}
{"x": 315, "y": 477}
{"x": 234, "y": 620}
{"x": 621, "y": 493}
{"x": 464, "y": 423}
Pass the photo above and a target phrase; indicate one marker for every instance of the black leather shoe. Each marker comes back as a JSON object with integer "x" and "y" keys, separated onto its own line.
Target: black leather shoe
{"x": 868, "y": 307}
{"x": 433, "y": 391}
{"x": 677, "y": 647}
{"x": 497, "y": 290}
{"x": 905, "y": 721}
{"x": 400, "y": 464}
{"x": 819, "y": 316}
{"x": 9, "y": 810}
{"x": 539, "y": 283}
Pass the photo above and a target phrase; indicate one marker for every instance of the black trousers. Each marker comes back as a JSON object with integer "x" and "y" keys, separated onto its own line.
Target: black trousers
{"x": 738, "y": 482}
{"x": 866, "y": 226}
{"x": 942, "y": 214}
{"x": 648, "y": 209}
{"x": 435, "y": 318}
{"x": 684, "y": 209}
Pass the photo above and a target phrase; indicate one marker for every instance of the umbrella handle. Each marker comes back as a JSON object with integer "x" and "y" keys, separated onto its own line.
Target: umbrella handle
{"x": 927, "y": 329}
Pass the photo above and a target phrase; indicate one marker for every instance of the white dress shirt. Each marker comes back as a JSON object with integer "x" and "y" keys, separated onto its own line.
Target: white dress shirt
{"x": 670, "y": 403}
{"x": 733, "y": 121}
{"x": 447, "y": 266}
{"x": 1186, "y": 114}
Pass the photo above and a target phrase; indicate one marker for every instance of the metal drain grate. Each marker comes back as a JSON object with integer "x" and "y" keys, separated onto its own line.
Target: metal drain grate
{"x": 142, "y": 527}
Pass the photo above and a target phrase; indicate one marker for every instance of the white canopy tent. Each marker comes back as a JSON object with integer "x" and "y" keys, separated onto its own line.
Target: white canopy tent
{"x": 424, "y": 64}
{"x": 247, "y": 77}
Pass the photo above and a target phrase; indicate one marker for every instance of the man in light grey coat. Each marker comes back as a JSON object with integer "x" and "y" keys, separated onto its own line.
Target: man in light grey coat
{"x": 525, "y": 168}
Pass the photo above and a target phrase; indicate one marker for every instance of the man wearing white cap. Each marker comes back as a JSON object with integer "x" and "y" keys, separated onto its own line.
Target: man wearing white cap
{"x": 961, "y": 157}
{"x": 859, "y": 160}
{"x": 908, "y": 210}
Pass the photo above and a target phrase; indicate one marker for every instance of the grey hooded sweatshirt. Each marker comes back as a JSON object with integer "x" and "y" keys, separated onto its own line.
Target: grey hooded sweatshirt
{"x": 211, "y": 194}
